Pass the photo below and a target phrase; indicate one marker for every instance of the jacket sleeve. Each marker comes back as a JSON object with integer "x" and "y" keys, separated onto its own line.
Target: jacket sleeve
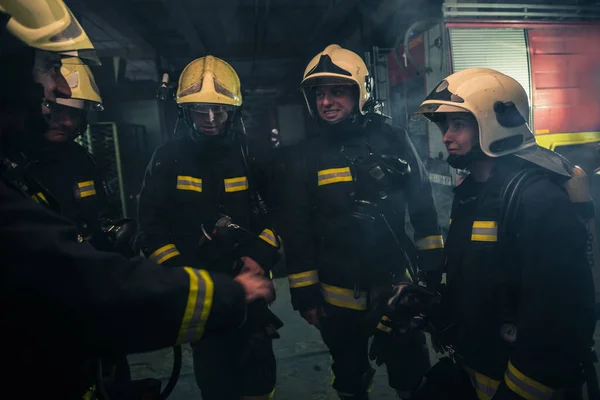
{"x": 100, "y": 301}
{"x": 154, "y": 207}
{"x": 555, "y": 315}
{"x": 295, "y": 229}
{"x": 423, "y": 214}
{"x": 265, "y": 249}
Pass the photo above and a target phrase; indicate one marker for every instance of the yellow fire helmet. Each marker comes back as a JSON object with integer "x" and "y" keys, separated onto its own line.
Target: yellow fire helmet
{"x": 209, "y": 80}
{"x": 337, "y": 66}
{"x": 48, "y": 25}
{"x": 84, "y": 91}
{"x": 501, "y": 107}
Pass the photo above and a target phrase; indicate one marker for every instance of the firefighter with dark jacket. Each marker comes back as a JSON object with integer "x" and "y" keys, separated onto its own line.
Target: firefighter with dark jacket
{"x": 519, "y": 301}
{"x": 63, "y": 302}
{"x": 345, "y": 195}
{"x": 64, "y": 168}
{"x": 192, "y": 185}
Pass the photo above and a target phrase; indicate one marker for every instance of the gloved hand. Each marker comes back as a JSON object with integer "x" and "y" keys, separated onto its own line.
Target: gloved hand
{"x": 382, "y": 340}
{"x": 406, "y": 309}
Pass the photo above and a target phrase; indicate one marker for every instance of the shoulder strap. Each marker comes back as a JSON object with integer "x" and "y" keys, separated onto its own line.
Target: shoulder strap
{"x": 510, "y": 271}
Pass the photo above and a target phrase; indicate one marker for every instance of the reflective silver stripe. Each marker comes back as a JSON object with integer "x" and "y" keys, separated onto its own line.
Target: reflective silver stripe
{"x": 197, "y": 310}
{"x": 303, "y": 279}
{"x": 189, "y": 183}
{"x": 236, "y": 184}
{"x": 334, "y": 175}
{"x": 525, "y": 386}
{"x": 164, "y": 253}
{"x": 485, "y": 386}
{"x": 342, "y": 297}
{"x": 268, "y": 236}
{"x": 485, "y": 231}
{"x": 430, "y": 242}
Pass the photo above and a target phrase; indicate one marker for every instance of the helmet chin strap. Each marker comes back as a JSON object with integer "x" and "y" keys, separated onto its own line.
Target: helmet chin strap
{"x": 466, "y": 161}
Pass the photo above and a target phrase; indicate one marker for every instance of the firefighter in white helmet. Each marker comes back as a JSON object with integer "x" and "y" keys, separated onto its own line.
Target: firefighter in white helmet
{"x": 190, "y": 184}
{"x": 518, "y": 307}
{"x": 345, "y": 195}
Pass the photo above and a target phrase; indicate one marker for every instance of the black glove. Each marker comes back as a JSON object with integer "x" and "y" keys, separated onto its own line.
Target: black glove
{"x": 404, "y": 311}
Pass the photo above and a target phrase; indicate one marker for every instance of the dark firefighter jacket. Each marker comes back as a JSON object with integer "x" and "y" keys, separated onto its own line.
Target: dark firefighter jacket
{"x": 549, "y": 279}
{"x": 68, "y": 173}
{"x": 187, "y": 186}
{"x": 319, "y": 187}
{"x": 64, "y": 302}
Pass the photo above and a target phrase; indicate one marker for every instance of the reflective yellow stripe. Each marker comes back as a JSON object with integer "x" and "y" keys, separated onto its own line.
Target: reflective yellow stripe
{"x": 199, "y": 304}
{"x": 189, "y": 183}
{"x": 236, "y": 184}
{"x": 485, "y": 386}
{"x": 39, "y": 196}
{"x": 86, "y": 189}
{"x": 384, "y": 328}
{"x": 524, "y": 386}
{"x": 382, "y": 325}
{"x": 334, "y": 175}
{"x": 342, "y": 297}
{"x": 164, "y": 253}
{"x": 268, "y": 236}
{"x": 303, "y": 279}
{"x": 430, "y": 243}
{"x": 90, "y": 394}
{"x": 485, "y": 231}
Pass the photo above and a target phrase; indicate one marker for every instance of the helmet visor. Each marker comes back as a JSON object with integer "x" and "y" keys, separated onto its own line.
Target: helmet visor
{"x": 433, "y": 112}
{"x": 205, "y": 108}
{"x": 209, "y": 118}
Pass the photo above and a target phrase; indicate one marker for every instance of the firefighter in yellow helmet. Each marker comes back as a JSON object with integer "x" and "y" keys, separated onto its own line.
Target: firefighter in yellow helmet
{"x": 90, "y": 303}
{"x": 518, "y": 306}
{"x": 345, "y": 195}
{"x": 63, "y": 167}
{"x": 200, "y": 181}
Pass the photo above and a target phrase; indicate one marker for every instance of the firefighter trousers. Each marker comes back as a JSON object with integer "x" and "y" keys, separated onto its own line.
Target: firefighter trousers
{"x": 234, "y": 365}
{"x": 343, "y": 331}
{"x": 448, "y": 381}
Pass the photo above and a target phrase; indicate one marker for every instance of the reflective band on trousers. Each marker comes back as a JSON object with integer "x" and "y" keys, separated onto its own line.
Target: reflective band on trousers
{"x": 485, "y": 231}
{"x": 524, "y": 386}
{"x": 189, "y": 183}
{"x": 236, "y": 184}
{"x": 303, "y": 279}
{"x": 197, "y": 310}
{"x": 430, "y": 243}
{"x": 334, "y": 175}
{"x": 86, "y": 189}
{"x": 164, "y": 253}
{"x": 484, "y": 386}
{"x": 268, "y": 236}
{"x": 342, "y": 297}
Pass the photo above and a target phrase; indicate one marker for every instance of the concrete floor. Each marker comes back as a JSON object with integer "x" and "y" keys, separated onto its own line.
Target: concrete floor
{"x": 303, "y": 363}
